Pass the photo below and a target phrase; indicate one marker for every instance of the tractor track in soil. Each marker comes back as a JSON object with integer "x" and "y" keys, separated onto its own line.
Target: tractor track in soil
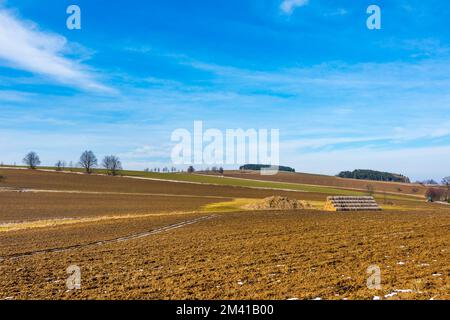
{"x": 114, "y": 240}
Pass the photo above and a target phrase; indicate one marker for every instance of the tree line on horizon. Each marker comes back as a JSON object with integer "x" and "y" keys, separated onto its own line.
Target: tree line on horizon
{"x": 88, "y": 161}
{"x": 373, "y": 175}
{"x": 260, "y": 167}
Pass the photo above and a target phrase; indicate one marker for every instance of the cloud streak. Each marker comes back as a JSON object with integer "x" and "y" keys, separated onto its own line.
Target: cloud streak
{"x": 288, "y": 6}
{"x": 23, "y": 46}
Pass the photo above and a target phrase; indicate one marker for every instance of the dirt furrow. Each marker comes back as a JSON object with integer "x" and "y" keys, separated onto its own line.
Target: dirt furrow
{"x": 110, "y": 193}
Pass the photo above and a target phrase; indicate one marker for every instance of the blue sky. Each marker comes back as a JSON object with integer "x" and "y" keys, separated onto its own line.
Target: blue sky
{"x": 344, "y": 97}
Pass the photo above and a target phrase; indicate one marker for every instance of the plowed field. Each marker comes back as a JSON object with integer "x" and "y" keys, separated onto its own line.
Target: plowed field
{"x": 148, "y": 246}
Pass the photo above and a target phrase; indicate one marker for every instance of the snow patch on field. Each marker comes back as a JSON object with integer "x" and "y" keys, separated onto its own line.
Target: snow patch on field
{"x": 397, "y": 291}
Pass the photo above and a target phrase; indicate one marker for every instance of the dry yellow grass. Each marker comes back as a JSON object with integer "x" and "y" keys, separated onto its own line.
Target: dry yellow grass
{"x": 9, "y": 227}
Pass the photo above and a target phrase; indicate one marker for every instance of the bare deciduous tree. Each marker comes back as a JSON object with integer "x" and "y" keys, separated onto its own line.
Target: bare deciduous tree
{"x": 435, "y": 194}
{"x": 60, "y": 165}
{"x": 446, "y": 183}
{"x": 32, "y": 160}
{"x": 88, "y": 160}
{"x": 112, "y": 165}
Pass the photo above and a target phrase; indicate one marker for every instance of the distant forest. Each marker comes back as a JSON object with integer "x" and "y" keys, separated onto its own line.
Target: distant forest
{"x": 258, "y": 167}
{"x": 373, "y": 175}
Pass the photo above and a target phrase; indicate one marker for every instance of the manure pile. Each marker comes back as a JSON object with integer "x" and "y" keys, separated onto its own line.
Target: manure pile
{"x": 277, "y": 203}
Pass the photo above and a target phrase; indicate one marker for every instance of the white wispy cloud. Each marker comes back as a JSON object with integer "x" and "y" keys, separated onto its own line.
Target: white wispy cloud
{"x": 405, "y": 79}
{"x": 147, "y": 151}
{"x": 14, "y": 96}
{"x": 419, "y": 48}
{"x": 338, "y": 12}
{"x": 288, "y": 6}
{"x": 334, "y": 116}
{"x": 23, "y": 46}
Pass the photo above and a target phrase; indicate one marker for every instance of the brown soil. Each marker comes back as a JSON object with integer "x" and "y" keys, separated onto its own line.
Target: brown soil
{"x": 34, "y": 179}
{"x": 265, "y": 255}
{"x": 17, "y": 207}
{"x": 20, "y": 242}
